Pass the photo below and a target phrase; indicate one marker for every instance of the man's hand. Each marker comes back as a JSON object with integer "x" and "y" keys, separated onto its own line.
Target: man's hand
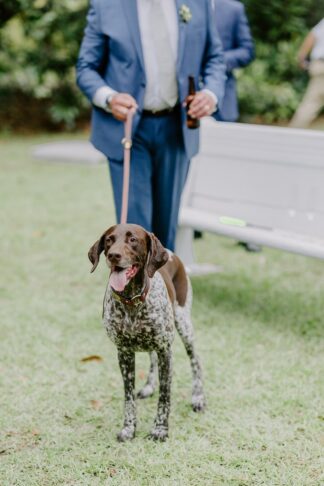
{"x": 201, "y": 104}
{"x": 303, "y": 63}
{"x": 120, "y": 103}
{"x": 305, "y": 50}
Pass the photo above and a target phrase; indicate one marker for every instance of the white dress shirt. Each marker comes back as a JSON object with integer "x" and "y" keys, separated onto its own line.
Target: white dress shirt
{"x": 152, "y": 99}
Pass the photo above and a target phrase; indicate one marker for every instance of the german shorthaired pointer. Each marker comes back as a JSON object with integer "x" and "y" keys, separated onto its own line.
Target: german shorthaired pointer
{"x": 141, "y": 309}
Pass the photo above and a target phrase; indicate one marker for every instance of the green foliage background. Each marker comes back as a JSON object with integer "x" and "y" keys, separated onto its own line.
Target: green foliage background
{"x": 39, "y": 45}
{"x": 272, "y": 86}
{"x": 39, "y": 42}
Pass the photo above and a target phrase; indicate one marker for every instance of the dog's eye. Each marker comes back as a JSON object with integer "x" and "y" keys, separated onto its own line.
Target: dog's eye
{"x": 132, "y": 239}
{"x": 108, "y": 240}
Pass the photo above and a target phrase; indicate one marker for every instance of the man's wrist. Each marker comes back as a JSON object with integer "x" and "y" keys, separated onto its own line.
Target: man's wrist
{"x": 214, "y": 99}
{"x": 109, "y": 100}
{"x": 102, "y": 95}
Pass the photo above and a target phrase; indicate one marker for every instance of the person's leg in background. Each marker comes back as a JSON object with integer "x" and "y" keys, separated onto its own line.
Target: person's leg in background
{"x": 311, "y": 104}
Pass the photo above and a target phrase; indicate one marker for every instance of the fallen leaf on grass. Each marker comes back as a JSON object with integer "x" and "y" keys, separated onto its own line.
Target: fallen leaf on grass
{"x": 96, "y": 404}
{"x": 141, "y": 374}
{"x": 92, "y": 357}
{"x": 23, "y": 439}
{"x": 11, "y": 433}
{"x": 22, "y": 379}
{"x": 38, "y": 234}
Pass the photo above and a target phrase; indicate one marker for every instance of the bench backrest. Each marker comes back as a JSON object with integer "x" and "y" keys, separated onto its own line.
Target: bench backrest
{"x": 268, "y": 176}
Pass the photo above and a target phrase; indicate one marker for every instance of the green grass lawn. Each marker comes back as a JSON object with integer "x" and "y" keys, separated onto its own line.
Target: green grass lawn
{"x": 259, "y": 331}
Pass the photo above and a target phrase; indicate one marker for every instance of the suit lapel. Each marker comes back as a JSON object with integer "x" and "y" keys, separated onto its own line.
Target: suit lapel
{"x": 130, "y": 9}
{"x": 181, "y": 35}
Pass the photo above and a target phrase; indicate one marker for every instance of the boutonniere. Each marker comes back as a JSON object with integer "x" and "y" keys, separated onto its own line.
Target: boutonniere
{"x": 185, "y": 13}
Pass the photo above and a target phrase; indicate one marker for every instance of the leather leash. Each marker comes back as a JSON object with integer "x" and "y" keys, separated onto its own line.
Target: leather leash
{"x": 137, "y": 300}
{"x": 127, "y": 142}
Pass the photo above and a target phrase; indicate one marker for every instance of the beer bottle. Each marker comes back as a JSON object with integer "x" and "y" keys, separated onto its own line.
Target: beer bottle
{"x": 191, "y": 122}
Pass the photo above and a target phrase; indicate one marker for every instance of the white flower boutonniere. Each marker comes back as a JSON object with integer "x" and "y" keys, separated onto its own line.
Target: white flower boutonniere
{"x": 185, "y": 13}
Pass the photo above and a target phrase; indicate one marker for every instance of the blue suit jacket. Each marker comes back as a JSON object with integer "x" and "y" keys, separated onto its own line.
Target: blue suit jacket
{"x": 234, "y": 32}
{"x": 111, "y": 53}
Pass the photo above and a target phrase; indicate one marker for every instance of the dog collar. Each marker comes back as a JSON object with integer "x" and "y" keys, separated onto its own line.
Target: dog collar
{"x": 134, "y": 301}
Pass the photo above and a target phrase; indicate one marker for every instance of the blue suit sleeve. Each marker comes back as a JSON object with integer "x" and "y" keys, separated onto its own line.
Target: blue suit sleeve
{"x": 93, "y": 55}
{"x": 213, "y": 67}
{"x": 243, "y": 52}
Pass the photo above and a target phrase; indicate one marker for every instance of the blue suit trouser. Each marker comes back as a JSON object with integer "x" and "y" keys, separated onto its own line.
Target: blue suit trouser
{"x": 159, "y": 168}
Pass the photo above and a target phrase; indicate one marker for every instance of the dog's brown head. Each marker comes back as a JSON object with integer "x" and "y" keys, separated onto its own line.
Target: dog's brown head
{"x": 128, "y": 249}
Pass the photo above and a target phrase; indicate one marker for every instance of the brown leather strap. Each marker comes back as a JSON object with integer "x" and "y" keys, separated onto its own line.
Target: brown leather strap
{"x": 127, "y": 142}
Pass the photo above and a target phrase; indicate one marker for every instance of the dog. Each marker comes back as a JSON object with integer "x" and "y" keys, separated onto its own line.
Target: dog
{"x": 148, "y": 295}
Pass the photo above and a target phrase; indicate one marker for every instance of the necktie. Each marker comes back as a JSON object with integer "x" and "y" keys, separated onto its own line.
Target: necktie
{"x": 166, "y": 62}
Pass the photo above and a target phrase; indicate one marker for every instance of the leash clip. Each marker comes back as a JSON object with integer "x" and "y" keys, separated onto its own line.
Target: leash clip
{"x": 127, "y": 143}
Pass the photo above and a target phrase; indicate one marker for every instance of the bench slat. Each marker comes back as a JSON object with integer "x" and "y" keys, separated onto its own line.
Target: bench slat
{"x": 292, "y": 242}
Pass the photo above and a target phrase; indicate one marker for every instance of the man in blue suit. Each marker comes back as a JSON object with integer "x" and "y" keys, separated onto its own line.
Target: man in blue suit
{"x": 139, "y": 54}
{"x": 234, "y": 32}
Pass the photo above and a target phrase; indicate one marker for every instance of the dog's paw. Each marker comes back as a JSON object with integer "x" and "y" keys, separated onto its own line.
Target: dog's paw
{"x": 198, "y": 403}
{"x": 159, "y": 432}
{"x": 127, "y": 433}
{"x": 145, "y": 392}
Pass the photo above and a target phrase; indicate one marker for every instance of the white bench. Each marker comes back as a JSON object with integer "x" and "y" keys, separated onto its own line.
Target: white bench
{"x": 256, "y": 184}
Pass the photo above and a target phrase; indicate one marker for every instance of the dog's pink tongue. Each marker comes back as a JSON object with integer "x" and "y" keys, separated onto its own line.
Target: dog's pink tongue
{"x": 118, "y": 280}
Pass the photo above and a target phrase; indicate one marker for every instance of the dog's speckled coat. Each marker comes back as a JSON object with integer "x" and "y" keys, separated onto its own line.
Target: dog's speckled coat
{"x": 150, "y": 324}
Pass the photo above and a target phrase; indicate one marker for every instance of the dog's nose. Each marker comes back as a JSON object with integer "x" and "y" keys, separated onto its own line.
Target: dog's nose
{"x": 114, "y": 257}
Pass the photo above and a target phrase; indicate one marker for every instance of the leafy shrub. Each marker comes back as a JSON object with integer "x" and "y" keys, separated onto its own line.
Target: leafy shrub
{"x": 271, "y": 87}
{"x": 278, "y": 20}
{"x": 39, "y": 47}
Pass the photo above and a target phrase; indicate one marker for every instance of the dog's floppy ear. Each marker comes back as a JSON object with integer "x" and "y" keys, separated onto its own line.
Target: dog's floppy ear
{"x": 158, "y": 256}
{"x": 95, "y": 251}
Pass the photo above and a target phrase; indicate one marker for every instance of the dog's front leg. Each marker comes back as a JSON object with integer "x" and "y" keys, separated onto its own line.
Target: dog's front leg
{"x": 161, "y": 423}
{"x": 127, "y": 367}
{"x": 150, "y": 384}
